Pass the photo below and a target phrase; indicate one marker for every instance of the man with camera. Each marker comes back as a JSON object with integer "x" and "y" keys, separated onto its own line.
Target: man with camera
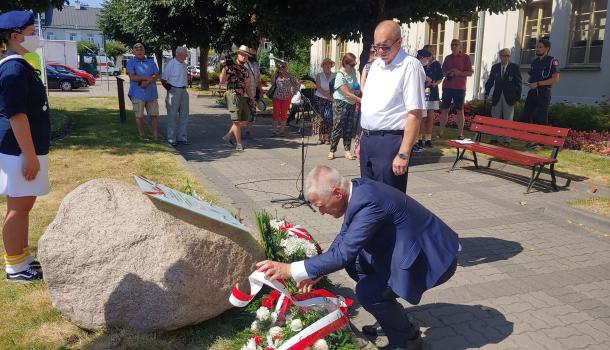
{"x": 239, "y": 95}
{"x": 174, "y": 80}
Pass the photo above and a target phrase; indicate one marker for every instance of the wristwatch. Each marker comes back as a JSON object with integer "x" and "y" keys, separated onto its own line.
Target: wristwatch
{"x": 403, "y": 156}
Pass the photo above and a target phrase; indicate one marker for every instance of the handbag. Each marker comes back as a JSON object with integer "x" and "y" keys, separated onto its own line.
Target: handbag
{"x": 273, "y": 87}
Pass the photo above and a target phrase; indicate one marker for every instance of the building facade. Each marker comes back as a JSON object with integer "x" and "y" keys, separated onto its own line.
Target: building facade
{"x": 576, "y": 29}
{"x": 74, "y": 23}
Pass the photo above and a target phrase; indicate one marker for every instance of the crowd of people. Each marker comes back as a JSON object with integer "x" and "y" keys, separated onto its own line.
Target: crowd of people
{"x": 389, "y": 244}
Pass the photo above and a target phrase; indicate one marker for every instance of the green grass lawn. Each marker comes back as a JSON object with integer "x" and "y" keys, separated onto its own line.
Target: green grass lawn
{"x": 98, "y": 146}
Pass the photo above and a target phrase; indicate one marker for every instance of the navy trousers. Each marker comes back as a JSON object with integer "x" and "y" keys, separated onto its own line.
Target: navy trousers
{"x": 377, "y": 298}
{"x": 377, "y": 152}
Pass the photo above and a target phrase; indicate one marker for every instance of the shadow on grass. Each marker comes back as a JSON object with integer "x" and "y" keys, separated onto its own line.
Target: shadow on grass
{"x": 484, "y": 250}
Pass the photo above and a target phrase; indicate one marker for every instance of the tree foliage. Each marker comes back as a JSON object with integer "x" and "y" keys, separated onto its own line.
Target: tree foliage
{"x": 289, "y": 21}
{"x": 86, "y": 47}
{"x": 35, "y": 5}
{"x": 115, "y": 48}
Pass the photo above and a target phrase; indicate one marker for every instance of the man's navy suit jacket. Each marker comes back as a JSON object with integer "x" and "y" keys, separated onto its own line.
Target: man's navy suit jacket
{"x": 402, "y": 240}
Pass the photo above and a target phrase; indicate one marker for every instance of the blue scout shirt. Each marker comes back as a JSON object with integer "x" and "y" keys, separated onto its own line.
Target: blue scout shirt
{"x": 144, "y": 68}
{"x": 543, "y": 69}
{"x": 22, "y": 91}
{"x": 435, "y": 72}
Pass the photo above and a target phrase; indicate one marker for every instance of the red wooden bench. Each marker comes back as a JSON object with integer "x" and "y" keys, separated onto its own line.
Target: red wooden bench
{"x": 539, "y": 134}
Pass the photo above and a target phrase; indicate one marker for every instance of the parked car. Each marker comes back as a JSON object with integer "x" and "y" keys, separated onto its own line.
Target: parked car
{"x": 195, "y": 72}
{"x": 64, "y": 81}
{"x": 62, "y": 68}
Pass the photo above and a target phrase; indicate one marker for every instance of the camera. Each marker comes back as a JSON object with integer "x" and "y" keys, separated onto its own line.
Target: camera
{"x": 227, "y": 61}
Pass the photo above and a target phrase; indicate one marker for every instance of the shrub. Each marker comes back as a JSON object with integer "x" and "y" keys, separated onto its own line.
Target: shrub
{"x": 213, "y": 77}
{"x": 578, "y": 117}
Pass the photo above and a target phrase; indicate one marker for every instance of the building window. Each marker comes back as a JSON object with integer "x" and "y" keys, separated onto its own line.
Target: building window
{"x": 587, "y": 31}
{"x": 436, "y": 38}
{"x": 267, "y": 45}
{"x": 327, "y": 48}
{"x": 536, "y": 26}
{"x": 341, "y": 50}
{"x": 72, "y": 36}
{"x": 50, "y": 36}
{"x": 467, "y": 34}
{"x": 91, "y": 38}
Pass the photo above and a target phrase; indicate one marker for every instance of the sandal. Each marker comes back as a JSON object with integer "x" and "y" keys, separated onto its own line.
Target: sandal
{"x": 273, "y": 133}
{"x": 331, "y": 156}
{"x": 349, "y": 155}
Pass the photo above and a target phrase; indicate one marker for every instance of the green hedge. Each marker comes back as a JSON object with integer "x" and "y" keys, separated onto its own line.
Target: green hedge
{"x": 575, "y": 117}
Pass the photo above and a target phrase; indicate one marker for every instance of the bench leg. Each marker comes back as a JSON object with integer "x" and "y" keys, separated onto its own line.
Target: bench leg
{"x": 476, "y": 163}
{"x": 458, "y": 156}
{"x": 553, "y": 179}
{"x": 532, "y": 179}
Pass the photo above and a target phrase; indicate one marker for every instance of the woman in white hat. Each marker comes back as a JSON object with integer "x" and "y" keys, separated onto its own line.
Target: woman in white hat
{"x": 323, "y": 99}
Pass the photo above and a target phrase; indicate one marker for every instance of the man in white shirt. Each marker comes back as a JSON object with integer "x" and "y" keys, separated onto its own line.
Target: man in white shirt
{"x": 174, "y": 79}
{"x": 393, "y": 101}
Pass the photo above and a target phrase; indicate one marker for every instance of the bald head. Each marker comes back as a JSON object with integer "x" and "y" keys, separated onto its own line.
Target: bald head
{"x": 389, "y": 29}
{"x": 387, "y": 39}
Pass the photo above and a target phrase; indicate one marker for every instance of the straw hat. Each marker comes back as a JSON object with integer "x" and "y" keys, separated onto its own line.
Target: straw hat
{"x": 327, "y": 61}
{"x": 244, "y": 49}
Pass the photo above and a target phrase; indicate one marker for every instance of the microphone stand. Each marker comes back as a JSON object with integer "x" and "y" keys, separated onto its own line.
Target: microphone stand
{"x": 295, "y": 202}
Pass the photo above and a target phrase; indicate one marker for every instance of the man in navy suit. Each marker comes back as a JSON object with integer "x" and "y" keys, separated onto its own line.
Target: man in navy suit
{"x": 505, "y": 78}
{"x": 389, "y": 244}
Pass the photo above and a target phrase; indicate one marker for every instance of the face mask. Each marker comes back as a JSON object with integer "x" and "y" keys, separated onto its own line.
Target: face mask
{"x": 31, "y": 43}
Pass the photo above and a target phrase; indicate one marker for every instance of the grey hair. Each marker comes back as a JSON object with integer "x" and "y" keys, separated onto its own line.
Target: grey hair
{"x": 181, "y": 49}
{"x": 504, "y": 50}
{"x": 322, "y": 179}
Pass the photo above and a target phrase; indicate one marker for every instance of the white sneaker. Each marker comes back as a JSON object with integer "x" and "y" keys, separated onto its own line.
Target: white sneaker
{"x": 239, "y": 147}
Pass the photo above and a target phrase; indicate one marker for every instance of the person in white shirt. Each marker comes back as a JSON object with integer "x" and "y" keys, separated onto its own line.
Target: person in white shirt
{"x": 174, "y": 79}
{"x": 393, "y": 101}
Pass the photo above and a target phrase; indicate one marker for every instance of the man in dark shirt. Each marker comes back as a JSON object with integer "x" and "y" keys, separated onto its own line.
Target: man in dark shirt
{"x": 544, "y": 73}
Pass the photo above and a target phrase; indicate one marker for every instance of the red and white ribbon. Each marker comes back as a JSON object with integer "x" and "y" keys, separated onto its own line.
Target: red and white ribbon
{"x": 300, "y": 232}
{"x": 317, "y": 330}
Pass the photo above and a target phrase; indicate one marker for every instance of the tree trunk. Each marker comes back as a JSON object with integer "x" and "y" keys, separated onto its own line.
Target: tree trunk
{"x": 204, "y": 82}
{"x": 159, "y": 57}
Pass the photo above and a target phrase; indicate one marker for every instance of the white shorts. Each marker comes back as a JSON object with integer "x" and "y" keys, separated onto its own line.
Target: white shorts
{"x": 12, "y": 182}
{"x": 433, "y": 105}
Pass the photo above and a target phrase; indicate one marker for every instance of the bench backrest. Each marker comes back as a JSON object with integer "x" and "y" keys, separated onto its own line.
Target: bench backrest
{"x": 542, "y": 134}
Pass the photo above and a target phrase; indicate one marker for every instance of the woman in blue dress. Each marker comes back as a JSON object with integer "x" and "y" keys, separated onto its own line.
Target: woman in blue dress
{"x": 25, "y": 132}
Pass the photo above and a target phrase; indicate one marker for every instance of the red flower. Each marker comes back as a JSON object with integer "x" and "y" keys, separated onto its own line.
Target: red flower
{"x": 269, "y": 301}
{"x": 257, "y": 339}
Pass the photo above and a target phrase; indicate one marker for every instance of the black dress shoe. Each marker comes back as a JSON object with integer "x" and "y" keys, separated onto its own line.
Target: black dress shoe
{"x": 373, "y": 329}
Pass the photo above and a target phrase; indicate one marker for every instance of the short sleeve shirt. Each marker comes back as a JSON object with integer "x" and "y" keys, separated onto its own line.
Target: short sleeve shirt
{"x": 434, "y": 71}
{"x": 142, "y": 68}
{"x": 543, "y": 69}
{"x": 22, "y": 91}
{"x": 342, "y": 78}
{"x": 392, "y": 91}
{"x": 175, "y": 73}
{"x": 461, "y": 62}
{"x": 237, "y": 78}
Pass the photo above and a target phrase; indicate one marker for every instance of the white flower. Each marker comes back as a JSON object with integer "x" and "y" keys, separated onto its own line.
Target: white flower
{"x": 320, "y": 344}
{"x": 276, "y": 224}
{"x": 273, "y": 331}
{"x": 250, "y": 345}
{"x": 296, "y": 325}
{"x": 292, "y": 244}
{"x": 263, "y": 314}
{"x": 254, "y": 325}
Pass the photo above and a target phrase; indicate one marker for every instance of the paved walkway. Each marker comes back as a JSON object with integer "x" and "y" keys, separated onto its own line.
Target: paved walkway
{"x": 533, "y": 273}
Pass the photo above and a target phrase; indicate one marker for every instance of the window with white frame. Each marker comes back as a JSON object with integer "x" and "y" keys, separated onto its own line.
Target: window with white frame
{"x": 327, "y": 48}
{"x": 91, "y": 38}
{"x": 436, "y": 38}
{"x": 341, "y": 50}
{"x": 73, "y": 36}
{"x": 536, "y": 26}
{"x": 587, "y": 31}
{"x": 467, "y": 34}
{"x": 50, "y": 36}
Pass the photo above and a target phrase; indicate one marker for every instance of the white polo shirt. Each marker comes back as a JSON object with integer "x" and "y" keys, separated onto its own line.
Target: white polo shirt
{"x": 175, "y": 73}
{"x": 391, "y": 91}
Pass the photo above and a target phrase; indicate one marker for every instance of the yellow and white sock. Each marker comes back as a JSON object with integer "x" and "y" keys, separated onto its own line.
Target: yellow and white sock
{"x": 17, "y": 263}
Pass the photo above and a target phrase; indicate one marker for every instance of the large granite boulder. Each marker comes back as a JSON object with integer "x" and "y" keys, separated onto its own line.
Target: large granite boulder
{"x": 113, "y": 257}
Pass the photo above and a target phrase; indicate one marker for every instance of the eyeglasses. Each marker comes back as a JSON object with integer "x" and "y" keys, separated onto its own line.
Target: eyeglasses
{"x": 384, "y": 48}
